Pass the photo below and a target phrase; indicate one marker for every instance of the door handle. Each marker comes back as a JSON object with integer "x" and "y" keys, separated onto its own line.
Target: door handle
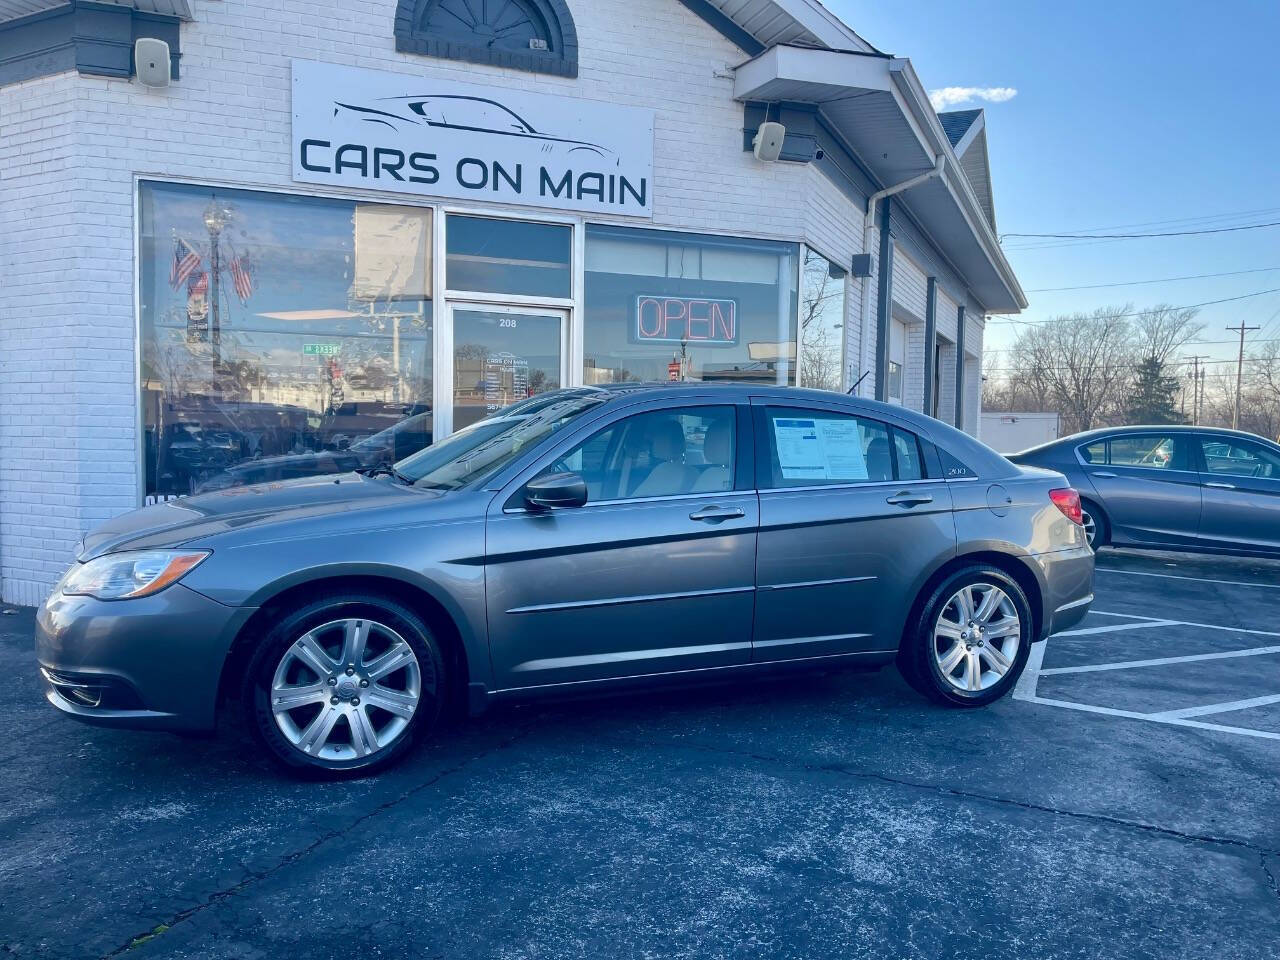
{"x": 908, "y": 499}
{"x": 716, "y": 514}
{"x": 1104, "y": 473}
{"x": 1220, "y": 486}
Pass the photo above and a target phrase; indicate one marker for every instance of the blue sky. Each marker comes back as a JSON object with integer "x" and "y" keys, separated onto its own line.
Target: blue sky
{"x": 1126, "y": 113}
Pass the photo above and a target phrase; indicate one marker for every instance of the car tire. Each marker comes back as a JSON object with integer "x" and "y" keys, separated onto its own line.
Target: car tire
{"x": 302, "y": 688}
{"x": 940, "y": 650}
{"x": 1101, "y": 529}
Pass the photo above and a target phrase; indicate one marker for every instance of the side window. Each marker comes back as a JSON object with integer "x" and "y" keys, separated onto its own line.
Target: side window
{"x": 906, "y": 451}
{"x": 1239, "y": 458}
{"x": 663, "y": 453}
{"x": 1094, "y": 452}
{"x": 1148, "y": 450}
{"x": 810, "y": 447}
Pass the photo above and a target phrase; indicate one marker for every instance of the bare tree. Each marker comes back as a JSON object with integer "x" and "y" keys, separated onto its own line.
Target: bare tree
{"x": 1161, "y": 331}
{"x": 821, "y": 323}
{"x": 1078, "y": 364}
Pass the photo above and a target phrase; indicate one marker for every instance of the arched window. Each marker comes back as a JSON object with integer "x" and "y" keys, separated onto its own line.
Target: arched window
{"x": 536, "y": 35}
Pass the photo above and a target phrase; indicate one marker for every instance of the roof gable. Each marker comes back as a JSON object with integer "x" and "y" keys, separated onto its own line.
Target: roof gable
{"x": 956, "y": 123}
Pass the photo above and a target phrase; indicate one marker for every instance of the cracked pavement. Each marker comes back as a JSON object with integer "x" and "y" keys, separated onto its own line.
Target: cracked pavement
{"x": 835, "y": 815}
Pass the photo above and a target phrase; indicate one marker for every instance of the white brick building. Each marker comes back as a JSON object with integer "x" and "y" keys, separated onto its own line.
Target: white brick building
{"x": 125, "y": 376}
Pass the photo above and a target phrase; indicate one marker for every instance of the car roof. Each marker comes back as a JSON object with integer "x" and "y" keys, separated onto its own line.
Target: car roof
{"x": 1100, "y": 433}
{"x": 1155, "y": 428}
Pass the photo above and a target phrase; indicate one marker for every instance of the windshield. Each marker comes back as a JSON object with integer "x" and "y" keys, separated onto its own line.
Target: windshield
{"x": 485, "y": 447}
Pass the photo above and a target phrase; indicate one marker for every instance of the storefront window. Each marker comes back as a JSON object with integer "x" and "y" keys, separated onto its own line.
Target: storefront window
{"x": 508, "y": 256}
{"x": 678, "y": 306}
{"x": 501, "y": 357}
{"x": 822, "y": 291}
{"x": 897, "y": 359}
{"x": 281, "y": 336}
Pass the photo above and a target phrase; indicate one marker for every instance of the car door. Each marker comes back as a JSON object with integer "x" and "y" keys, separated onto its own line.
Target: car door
{"x": 848, "y": 520}
{"x": 654, "y": 574}
{"x": 1241, "y": 493}
{"x": 1148, "y": 485}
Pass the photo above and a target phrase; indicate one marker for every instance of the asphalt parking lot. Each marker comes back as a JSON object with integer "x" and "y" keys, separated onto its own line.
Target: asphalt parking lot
{"x": 1124, "y": 803}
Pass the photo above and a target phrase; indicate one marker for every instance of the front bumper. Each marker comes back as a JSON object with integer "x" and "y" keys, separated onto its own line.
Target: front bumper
{"x": 1067, "y": 578}
{"x": 152, "y": 663}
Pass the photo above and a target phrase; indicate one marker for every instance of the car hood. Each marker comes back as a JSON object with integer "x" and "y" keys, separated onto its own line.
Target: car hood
{"x": 176, "y": 522}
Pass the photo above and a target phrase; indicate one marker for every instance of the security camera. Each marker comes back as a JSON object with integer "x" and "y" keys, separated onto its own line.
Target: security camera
{"x": 767, "y": 144}
{"x": 151, "y": 62}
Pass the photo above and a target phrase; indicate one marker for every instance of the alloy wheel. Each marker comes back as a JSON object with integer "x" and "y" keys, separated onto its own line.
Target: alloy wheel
{"x": 1090, "y": 526}
{"x": 346, "y": 689}
{"x": 976, "y": 637}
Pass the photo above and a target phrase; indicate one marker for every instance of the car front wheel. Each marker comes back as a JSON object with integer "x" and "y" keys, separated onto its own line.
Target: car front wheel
{"x": 344, "y": 686}
{"x": 970, "y": 640}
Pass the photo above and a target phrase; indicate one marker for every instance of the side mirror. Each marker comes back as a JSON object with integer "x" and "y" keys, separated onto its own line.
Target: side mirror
{"x": 555, "y": 490}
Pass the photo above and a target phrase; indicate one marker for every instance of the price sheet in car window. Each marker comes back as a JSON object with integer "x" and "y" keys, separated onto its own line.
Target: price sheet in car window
{"x": 817, "y": 449}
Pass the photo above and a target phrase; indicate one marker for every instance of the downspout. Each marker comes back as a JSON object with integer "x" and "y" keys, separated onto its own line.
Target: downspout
{"x": 868, "y": 224}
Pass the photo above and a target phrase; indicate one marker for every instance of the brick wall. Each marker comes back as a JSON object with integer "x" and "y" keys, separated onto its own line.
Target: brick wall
{"x": 71, "y": 147}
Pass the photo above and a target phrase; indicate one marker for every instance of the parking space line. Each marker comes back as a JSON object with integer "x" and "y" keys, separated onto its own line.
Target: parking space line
{"x": 1211, "y": 708}
{"x": 1116, "y": 627}
{"x": 1025, "y": 688}
{"x": 1171, "y": 576}
{"x": 1152, "y": 718}
{"x": 1161, "y": 661}
{"x": 1217, "y": 627}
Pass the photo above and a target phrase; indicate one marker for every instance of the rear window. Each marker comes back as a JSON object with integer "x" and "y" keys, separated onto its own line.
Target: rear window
{"x": 953, "y": 469}
{"x": 1154, "y": 451}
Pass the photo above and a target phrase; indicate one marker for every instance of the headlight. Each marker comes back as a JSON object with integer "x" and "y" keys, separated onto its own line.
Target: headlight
{"x": 121, "y": 576}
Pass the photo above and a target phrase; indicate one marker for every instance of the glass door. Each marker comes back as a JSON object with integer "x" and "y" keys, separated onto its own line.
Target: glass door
{"x": 502, "y": 355}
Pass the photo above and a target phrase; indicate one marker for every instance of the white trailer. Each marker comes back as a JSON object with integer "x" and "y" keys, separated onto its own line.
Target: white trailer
{"x": 1012, "y": 432}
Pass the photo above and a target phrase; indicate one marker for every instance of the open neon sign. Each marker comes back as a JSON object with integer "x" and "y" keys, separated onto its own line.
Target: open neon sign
{"x": 686, "y": 319}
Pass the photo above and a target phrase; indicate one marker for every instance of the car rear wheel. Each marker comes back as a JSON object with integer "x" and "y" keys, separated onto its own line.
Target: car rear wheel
{"x": 344, "y": 686}
{"x": 970, "y": 639}
{"x": 1094, "y": 523}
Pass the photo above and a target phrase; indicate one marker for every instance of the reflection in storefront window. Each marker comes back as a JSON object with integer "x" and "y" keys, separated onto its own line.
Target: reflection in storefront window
{"x": 663, "y": 305}
{"x": 508, "y": 256}
{"x": 822, "y": 293}
{"x": 281, "y": 336}
{"x": 501, "y": 357}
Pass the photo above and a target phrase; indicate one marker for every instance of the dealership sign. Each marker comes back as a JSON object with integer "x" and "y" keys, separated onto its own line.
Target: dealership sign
{"x": 712, "y": 323}
{"x": 440, "y": 138}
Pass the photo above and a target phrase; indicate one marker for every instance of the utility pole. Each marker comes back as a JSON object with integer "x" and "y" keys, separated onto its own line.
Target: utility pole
{"x": 1196, "y": 380}
{"x": 1242, "y": 330}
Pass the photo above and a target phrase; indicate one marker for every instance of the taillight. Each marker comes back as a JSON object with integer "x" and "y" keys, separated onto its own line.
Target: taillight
{"x": 1067, "y": 500}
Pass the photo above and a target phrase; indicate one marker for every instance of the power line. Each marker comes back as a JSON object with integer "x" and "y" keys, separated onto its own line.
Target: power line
{"x": 1136, "y": 283}
{"x": 1184, "y": 220}
{"x": 1006, "y": 318}
{"x": 1139, "y": 236}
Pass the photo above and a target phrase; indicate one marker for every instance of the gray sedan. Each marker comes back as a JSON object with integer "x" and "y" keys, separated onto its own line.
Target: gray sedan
{"x": 1172, "y": 487}
{"x": 584, "y": 540}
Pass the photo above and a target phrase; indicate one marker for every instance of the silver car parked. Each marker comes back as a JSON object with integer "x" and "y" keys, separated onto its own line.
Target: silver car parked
{"x": 583, "y": 539}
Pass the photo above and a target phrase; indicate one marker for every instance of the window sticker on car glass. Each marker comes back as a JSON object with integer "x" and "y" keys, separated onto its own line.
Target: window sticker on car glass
{"x": 811, "y": 449}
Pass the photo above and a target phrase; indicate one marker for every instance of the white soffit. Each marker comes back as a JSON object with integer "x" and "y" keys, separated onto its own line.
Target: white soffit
{"x": 876, "y": 104}
{"x": 804, "y": 22}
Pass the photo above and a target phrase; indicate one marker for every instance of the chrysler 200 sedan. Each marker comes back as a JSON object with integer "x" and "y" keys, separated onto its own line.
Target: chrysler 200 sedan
{"x": 581, "y": 540}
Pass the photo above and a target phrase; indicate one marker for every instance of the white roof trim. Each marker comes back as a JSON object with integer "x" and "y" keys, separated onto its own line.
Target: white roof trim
{"x": 824, "y": 25}
{"x": 834, "y": 69}
{"x": 954, "y": 176}
{"x": 821, "y": 76}
{"x": 979, "y": 124}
